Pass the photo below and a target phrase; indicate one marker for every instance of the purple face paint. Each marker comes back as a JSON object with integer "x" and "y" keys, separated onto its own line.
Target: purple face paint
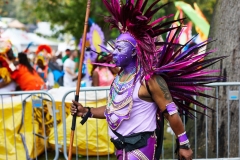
{"x": 127, "y": 37}
{"x": 124, "y": 49}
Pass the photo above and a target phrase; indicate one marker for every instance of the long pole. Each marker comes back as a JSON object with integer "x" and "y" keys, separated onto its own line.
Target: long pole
{"x": 79, "y": 78}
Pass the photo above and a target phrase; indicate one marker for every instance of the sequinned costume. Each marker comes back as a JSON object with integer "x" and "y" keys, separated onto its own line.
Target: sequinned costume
{"x": 6, "y": 83}
{"x": 132, "y": 121}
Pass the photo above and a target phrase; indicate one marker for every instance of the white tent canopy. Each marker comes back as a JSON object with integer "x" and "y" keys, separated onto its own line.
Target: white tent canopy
{"x": 3, "y": 25}
{"x": 20, "y": 39}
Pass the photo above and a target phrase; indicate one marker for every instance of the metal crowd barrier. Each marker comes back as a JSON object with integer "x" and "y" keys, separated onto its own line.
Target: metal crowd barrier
{"x": 34, "y": 130}
{"x": 85, "y": 90}
{"x": 232, "y": 93}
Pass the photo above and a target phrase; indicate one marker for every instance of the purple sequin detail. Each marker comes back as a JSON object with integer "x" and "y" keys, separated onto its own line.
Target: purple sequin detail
{"x": 183, "y": 138}
{"x": 171, "y": 107}
{"x": 116, "y": 124}
{"x": 148, "y": 151}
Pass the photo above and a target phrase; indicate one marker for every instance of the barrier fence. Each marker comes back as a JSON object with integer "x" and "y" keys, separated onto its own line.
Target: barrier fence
{"x": 33, "y": 123}
{"x": 24, "y": 127}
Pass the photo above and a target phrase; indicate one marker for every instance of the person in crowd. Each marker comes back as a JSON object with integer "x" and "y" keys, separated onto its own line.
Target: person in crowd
{"x": 25, "y": 75}
{"x": 44, "y": 54}
{"x": 7, "y": 60}
{"x": 67, "y": 54}
{"x": 44, "y": 72}
{"x": 56, "y": 70}
{"x": 59, "y": 59}
{"x": 6, "y": 83}
{"x": 69, "y": 67}
{"x": 101, "y": 75}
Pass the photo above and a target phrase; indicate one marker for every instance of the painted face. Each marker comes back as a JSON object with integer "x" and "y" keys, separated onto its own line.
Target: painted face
{"x": 122, "y": 55}
{"x": 124, "y": 49}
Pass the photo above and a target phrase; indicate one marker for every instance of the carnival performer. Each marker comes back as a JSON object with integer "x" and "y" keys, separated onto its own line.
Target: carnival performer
{"x": 25, "y": 75}
{"x": 6, "y": 59}
{"x": 6, "y": 83}
{"x": 43, "y": 55}
{"x": 154, "y": 80}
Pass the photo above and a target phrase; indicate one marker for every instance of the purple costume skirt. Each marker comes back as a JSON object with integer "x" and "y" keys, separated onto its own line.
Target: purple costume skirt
{"x": 145, "y": 153}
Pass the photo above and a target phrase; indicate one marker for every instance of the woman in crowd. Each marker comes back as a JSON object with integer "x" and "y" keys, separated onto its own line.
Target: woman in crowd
{"x": 101, "y": 75}
{"x": 25, "y": 75}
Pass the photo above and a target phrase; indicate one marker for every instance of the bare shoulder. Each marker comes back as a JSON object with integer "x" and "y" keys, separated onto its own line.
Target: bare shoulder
{"x": 159, "y": 87}
{"x": 95, "y": 73}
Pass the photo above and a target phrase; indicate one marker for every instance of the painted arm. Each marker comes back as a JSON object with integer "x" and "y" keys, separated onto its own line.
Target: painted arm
{"x": 162, "y": 97}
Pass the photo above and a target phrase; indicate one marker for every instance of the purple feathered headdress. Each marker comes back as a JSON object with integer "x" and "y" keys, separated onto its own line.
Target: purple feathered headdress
{"x": 135, "y": 19}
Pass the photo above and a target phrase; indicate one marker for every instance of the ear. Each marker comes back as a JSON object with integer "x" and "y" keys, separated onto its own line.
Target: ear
{"x": 134, "y": 52}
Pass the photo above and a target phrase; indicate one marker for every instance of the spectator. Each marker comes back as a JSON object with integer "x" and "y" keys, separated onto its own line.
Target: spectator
{"x": 59, "y": 59}
{"x": 102, "y": 76}
{"x": 44, "y": 72}
{"x": 68, "y": 52}
{"x": 25, "y": 75}
{"x": 69, "y": 67}
{"x": 6, "y": 83}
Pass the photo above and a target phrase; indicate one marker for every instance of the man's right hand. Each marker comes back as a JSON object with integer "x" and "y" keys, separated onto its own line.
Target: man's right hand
{"x": 77, "y": 108}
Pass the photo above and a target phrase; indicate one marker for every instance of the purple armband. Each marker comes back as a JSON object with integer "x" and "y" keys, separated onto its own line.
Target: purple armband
{"x": 183, "y": 139}
{"x": 171, "y": 108}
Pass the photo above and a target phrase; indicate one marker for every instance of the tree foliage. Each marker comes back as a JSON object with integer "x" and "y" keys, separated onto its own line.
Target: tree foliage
{"x": 71, "y": 13}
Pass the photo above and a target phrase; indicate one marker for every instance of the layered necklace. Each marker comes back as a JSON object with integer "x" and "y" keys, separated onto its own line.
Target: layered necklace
{"x": 121, "y": 92}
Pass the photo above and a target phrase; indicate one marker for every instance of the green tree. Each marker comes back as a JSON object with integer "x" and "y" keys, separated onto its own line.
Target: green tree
{"x": 71, "y": 13}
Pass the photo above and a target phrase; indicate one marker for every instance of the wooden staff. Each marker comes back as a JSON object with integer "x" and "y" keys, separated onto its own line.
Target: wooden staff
{"x": 79, "y": 78}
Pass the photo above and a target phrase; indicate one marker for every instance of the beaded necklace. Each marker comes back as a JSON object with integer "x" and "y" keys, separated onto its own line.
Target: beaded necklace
{"x": 126, "y": 91}
{"x": 120, "y": 87}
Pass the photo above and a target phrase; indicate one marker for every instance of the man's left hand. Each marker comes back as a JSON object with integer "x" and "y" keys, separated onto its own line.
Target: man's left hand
{"x": 185, "y": 154}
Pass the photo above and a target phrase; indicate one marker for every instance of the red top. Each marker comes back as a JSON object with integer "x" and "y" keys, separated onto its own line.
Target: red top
{"x": 27, "y": 80}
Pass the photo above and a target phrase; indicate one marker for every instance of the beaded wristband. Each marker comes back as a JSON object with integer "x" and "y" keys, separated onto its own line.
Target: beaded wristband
{"x": 86, "y": 115}
{"x": 171, "y": 108}
{"x": 183, "y": 139}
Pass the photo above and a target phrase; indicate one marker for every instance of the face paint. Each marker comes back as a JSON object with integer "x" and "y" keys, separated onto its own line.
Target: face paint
{"x": 122, "y": 55}
{"x": 124, "y": 49}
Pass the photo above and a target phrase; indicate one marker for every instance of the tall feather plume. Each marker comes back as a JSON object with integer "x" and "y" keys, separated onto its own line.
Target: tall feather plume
{"x": 131, "y": 15}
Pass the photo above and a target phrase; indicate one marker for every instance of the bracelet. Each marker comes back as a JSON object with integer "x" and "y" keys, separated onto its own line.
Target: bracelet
{"x": 89, "y": 110}
{"x": 86, "y": 115}
{"x": 183, "y": 139}
{"x": 185, "y": 146}
{"x": 171, "y": 108}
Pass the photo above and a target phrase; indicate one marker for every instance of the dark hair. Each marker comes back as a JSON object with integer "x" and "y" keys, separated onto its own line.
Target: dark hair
{"x": 99, "y": 59}
{"x": 67, "y": 50}
{"x": 23, "y": 60}
{"x": 10, "y": 54}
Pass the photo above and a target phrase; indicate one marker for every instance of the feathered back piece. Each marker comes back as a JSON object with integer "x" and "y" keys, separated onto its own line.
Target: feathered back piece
{"x": 186, "y": 72}
{"x": 136, "y": 19}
